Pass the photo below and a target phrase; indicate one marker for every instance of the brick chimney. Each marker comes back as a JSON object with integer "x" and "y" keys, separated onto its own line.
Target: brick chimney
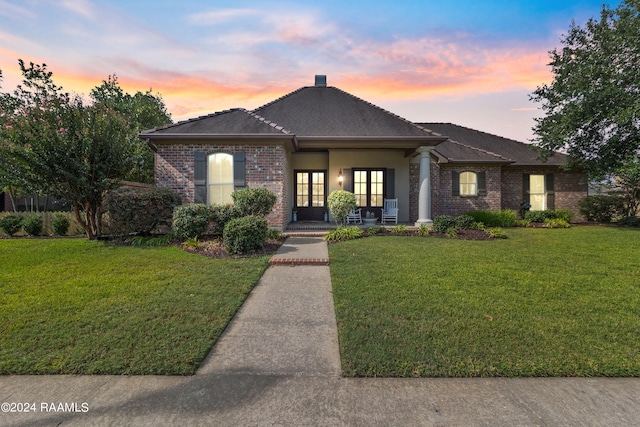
{"x": 321, "y": 80}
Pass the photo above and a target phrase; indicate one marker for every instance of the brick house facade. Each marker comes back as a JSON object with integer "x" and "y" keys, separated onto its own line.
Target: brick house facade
{"x": 298, "y": 145}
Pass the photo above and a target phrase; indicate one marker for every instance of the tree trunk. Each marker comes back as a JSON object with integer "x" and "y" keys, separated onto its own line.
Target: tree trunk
{"x": 12, "y": 198}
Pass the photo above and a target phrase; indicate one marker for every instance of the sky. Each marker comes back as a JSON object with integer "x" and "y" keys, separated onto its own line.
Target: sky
{"x": 468, "y": 62}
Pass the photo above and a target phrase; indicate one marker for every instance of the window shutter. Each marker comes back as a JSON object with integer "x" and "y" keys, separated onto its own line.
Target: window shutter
{"x": 200, "y": 177}
{"x": 390, "y": 184}
{"x": 347, "y": 182}
{"x": 239, "y": 170}
{"x": 455, "y": 183}
{"x": 482, "y": 183}
{"x": 549, "y": 188}
{"x": 526, "y": 188}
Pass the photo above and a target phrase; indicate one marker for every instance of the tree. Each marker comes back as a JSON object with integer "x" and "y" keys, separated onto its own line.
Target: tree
{"x": 627, "y": 185}
{"x": 592, "y": 106}
{"x": 52, "y": 141}
{"x": 144, "y": 110}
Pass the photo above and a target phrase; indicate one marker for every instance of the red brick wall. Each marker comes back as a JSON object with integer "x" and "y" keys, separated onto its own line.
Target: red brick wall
{"x": 458, "y": 205}
{"x": 569, "y": 188}
{"x": 266, "y": 167}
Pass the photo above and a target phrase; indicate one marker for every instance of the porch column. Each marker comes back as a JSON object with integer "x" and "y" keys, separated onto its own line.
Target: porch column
{"x": 424, "y": 196}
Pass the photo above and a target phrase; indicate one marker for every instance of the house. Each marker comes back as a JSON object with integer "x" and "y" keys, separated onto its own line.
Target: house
{"x": 319, "y": 138}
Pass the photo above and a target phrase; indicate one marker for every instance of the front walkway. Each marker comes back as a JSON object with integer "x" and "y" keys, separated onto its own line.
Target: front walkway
{"x": 278, "y": 364}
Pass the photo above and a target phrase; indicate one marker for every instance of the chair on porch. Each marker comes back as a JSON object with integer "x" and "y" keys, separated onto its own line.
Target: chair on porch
{"x": 355, "y": 216}
{"x": 390, "y": 211}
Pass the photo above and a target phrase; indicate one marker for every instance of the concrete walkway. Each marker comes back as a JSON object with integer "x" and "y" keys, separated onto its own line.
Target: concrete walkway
{"x": 278, "y": 364}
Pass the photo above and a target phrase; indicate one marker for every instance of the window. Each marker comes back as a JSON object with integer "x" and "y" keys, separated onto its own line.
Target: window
{"x": 219, "y": 178}
{"x": 537, "y": 197}
{"x": 368, "y": 186}
{"x": 468, "y": 184}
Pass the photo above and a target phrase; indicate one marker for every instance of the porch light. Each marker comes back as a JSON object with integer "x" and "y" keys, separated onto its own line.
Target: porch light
{"x": 340, "y": 177}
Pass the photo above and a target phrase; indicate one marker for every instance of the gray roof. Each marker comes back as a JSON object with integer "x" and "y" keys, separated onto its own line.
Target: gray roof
{"x": 224, "y": 123}
{"x": 319, "y": 111}
{"x": 469, "y": 145}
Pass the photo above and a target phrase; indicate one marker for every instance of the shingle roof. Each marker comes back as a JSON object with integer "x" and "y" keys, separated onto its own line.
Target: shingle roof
{"x": 469, "y": 145}
{"x": 230, "y": 122}
{"x": 317, "y": 111}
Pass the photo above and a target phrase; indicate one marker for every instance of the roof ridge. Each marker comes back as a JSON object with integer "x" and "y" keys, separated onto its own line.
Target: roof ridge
{"x": 193, "y": 119}
{"x": 481, "y": 131}
{"x": 432, "y": 133}
{"x": 268, "y": 122}
{"x": 479, "y": 149}
{"x": 279, "y": 99}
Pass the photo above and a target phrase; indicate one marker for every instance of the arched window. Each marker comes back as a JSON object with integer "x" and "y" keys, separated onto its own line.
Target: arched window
{"x": 219, "y": 178}
{"x": 468, "y": 184}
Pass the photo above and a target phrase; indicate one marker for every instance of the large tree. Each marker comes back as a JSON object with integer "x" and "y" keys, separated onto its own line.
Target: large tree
{"x": 54, "y": 142}
{"x": 592, "y": 106}
{"x": 144, "y": 110}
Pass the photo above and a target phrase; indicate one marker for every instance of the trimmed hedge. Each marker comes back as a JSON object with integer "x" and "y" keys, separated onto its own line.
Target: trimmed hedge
{"x": 140, "y": 210}
{"x": 254, "y": 201}
{"x": 60, "y": 224}
{"x": 32, "y": 225}
{"x": 191, "y": 221}
{"x": 245, "y": 235}
{"x": 11, "y": 224}
{"x": 497, "y": 218}
{"x": 602, "y": 208}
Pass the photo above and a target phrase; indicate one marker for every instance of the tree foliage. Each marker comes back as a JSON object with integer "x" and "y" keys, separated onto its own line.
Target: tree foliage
{"x": 143, "y": 110}
{"x": 592, "y": 106}
{"x": 53, "y": 142}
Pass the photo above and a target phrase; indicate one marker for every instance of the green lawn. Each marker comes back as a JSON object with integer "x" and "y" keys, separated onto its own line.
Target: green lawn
{"x": 560, "y": 302}
{"x": 74, "y": 306}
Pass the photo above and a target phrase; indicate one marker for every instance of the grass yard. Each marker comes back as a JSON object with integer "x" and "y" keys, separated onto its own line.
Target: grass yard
{"x": 545, "y": 302}
{"x": 70, "y": 306}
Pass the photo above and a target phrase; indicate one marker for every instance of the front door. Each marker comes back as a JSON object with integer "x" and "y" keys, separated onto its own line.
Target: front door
{"x": 310, "y": 196}
{"x": 368, "y": 186}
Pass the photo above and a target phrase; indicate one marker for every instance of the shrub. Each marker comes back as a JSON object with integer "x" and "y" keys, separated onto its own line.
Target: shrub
{"x": 601, "y": 208}
{"x": 556, "y": 223}
{"x": 399, "y": 229}
{"x": 220, "y": 215}
{"x": 423, "y": 230}
{"x": 451, "y": 232}
{"x": 60, "y": 224}
{"x": 629, "y": 221}
{"x": 151, "y": 241}
{"x": 32, "y": 225}
{"x": 343, "y": 233}
{"x": 498, "y": 218}
{"x": 539, "y": 216}
{"x": 465, "y": 222}
{"x": 374, "y": 230}
{"x": 254, "y": 201}
{"x": 564, "y": 214}
{"x": 274, "y": 234}
{"x": 496, "y": 233}
{"x": 442, "y": 223}
{"x": 191, "y": 220}
{"x": 140, "y": 210}
{"x": 245, "y": 235}
{"x": 11, "y": 224}
{"x": 340, "y": 204}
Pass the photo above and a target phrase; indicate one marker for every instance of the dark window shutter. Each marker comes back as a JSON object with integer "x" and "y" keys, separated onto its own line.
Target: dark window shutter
{"x": 549, "y": 188}
{"x": 239, "y": 170}
{"x": 200, "y": 177}
{"x": 347, "y": 182}
{"x": 526, "y": 188}
{"x": 482, "y": 183}
{"x": 455, "y": 183}
{"x": 390, "y": 184}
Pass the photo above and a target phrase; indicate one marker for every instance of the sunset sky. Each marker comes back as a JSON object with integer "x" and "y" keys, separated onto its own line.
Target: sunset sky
{"x": 468, "y": 62}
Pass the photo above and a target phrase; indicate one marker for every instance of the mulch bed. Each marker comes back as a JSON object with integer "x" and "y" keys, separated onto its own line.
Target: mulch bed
{"x": 461, "y": 234}
{"x": 215, "y": 249}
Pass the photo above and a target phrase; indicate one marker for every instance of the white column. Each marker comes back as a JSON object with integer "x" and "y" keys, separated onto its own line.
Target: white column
{"x": 424, "y": 197}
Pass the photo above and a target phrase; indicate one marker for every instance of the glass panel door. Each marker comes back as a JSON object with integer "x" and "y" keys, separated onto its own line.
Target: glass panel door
{"x": 310, "y": 197}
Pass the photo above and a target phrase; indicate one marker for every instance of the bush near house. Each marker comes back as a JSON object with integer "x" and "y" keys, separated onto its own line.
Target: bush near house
{"x": 191, "y": 221}
{"x": 497, "y": 218}
{"x": 602, "y": 208}
{"x": 340, "y": 203}
{"x": 254, "y": 201}
{"x": 140, "y": 210}
{"x": 245, "y": 235}
{"x": 542, "y": 216}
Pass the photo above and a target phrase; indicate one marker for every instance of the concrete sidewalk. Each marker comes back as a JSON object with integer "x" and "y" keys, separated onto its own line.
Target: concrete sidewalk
{"x": 278, "y": 364}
